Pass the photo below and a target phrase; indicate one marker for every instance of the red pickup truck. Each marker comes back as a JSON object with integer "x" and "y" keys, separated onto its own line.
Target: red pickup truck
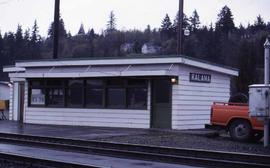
{"x": 234, "y": 118}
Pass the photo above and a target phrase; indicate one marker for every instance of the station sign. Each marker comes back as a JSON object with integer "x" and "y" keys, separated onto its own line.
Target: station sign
{"x": 201, "y": 78}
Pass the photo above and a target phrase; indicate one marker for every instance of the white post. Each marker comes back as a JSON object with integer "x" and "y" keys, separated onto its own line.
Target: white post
{"x": 266, "y": 82}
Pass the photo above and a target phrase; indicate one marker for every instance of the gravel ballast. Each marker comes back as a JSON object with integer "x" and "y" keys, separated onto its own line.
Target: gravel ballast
{"x": 186, "y": 139}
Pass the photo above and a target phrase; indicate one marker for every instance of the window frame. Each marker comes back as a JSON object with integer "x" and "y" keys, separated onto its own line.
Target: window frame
{"x": 105, "y": 87}
{"x": 41, "y": 87}
{"x": 47, "y": 87}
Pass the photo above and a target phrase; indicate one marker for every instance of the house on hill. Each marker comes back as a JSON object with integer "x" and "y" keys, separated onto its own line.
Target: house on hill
{"x": 150, "y": 48}
{"x": 127, "y": 48}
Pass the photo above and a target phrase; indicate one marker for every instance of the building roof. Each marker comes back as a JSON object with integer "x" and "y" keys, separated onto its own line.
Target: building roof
{"x": 20, "y": 66}
{"x": 4, "y": 83}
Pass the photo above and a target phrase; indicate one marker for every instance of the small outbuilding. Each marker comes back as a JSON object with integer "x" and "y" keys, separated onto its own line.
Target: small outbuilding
{"x": 170, "y": 92}
{"x": 4, "y": 99}
{"x": 4, "y": 90}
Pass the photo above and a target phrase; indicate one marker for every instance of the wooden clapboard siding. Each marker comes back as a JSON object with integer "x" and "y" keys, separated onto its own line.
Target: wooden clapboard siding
{"x": 25, "y": 99}
{"x": 191, "y": 101}
{"x": 11, "y": 106}
{"x": 89, "y": 117}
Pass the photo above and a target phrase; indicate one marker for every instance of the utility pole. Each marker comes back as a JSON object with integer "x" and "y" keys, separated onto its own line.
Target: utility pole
{"x": 180, "y": 28}
{"x": 56, "y": 29}
{"x": 266, "y": 82}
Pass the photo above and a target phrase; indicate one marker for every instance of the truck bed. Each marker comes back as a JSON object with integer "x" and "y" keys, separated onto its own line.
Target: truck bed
{"x": 224, "y": 113}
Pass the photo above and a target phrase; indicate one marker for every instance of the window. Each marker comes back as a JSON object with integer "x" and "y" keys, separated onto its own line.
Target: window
{"x": 75, "y": 93}
{"x": 137, "y": 98}
{"x": 37, "y": 93}
{"x": 55, "y": 93}
{"x": 116, "y": 98}
{"x": 37, "y": 97}
{"x": 94, "y": 93}
{"x": 137, "y": 94}
{"x": 116, "y": 93}
{"x": 110, "y": 93}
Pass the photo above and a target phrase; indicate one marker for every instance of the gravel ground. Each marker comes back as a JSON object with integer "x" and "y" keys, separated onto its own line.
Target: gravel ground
{"x": 194, "y": 141}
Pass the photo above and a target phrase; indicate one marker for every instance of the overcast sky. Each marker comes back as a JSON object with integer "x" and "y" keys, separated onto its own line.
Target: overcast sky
{"x": 129, "y": 13}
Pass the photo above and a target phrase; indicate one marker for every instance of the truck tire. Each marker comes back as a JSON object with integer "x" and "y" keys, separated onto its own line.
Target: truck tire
{"x": 240, "y": 130}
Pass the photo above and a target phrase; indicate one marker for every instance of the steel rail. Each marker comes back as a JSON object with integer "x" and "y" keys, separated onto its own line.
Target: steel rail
{"x": 27, "y": 161}
{"x": 143, "y": 152}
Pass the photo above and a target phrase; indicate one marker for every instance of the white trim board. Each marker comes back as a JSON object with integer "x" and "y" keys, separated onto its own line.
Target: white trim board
{"x": 91, "y": 74}
{"x": 13, "y": 69}
{"x": 133, "y": 61}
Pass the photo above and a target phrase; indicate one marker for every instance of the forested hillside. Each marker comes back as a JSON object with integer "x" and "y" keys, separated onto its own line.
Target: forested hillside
{"x": 222, "y": 42}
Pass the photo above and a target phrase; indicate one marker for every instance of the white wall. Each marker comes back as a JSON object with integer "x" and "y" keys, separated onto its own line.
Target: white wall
{"x": 11, "y": 102}
{"x": 4, "y": 92}
{"x": 89, "y": 117}
{"x": 15, "y": 101}
{"x": 191, "y": 102}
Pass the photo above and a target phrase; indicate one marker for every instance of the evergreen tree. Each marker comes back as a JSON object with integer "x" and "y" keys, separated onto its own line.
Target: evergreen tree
{"x": 166, "y": 23}
{"x": 194, "y": 21}
{"x": 111, "y": 24}
{"x": 10, "y": 49}
{"x": 259, "y": 24}
{"x": 27, "y": 37}
{"x": 64, "y": 48}
{"x": 166, "y": 28}
{"x": 176, "y": 21}
{"x": 91, "y": 37}
{"x": 247, "y": 66}
{"x": 19, "y": 43}
{"x": 1, "y": 45}
{"x": 35, "y": 37}
{"x": 91, "y": 33}
{"x": 27, "y": 42}
{"x": 81, "y": 30}
{"x": 62, "y": 29}
{"x": 268, "y": 27}
{"x": 225, "y": 23}
{"x": 3, "y": 59}
{"x": 148, "y": 29}
{"x": 35, "y": 42}
{"x": 19, "y": 34}
{"x": 147, "y": 33}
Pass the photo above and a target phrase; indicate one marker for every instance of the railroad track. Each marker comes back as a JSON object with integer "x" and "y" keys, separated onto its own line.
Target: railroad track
{"x": 16, "y": 160}
{"x": 205, "y": 158}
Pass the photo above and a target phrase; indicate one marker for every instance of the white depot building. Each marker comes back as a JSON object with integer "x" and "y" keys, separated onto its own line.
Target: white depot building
{"x": 170, "y": 92}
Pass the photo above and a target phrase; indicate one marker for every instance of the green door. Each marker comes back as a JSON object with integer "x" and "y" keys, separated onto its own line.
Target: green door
{"x": 21, "y": 102}
{"x": 161, "y": 115}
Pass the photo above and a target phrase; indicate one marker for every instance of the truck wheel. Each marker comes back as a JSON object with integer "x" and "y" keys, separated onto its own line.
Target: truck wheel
{"x": 240, "y": 130}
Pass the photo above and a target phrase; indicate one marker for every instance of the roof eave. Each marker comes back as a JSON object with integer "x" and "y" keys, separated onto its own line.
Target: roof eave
{"x": 13, "y": 69}
{"x": 169, "y": 60}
